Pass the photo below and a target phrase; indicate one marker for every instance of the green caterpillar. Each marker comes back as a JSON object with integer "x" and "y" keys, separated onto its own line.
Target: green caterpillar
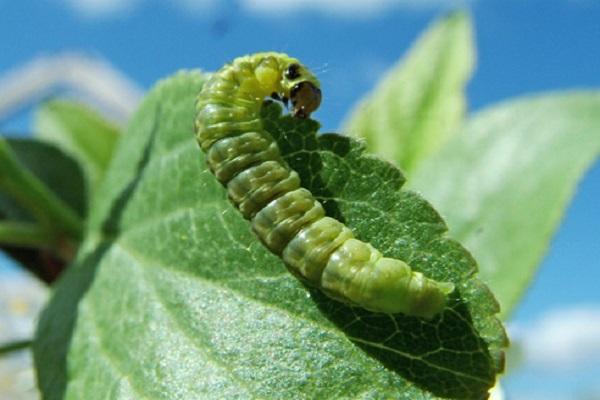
{"x": 288, "y": 220}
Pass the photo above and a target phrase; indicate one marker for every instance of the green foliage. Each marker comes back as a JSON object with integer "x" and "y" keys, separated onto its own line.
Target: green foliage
{"x": 174, "y": 293}
{"x": 505, "y": 181}
{"x": 64, "y": 179}
{"x": 40, "y": 207}
{"x": 80, "y": 132}
{"x": 420, "y": 102}
{"x": 30, "y": 191}
{"x": 172, "y": 296}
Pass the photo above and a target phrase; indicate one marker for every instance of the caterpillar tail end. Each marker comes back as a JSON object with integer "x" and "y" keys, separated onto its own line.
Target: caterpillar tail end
{"x": 433, "y": 299}
{"x": 446, "y": 287}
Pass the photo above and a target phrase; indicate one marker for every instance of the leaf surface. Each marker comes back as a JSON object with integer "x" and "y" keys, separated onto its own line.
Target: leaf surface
{"x": 173, "y": 297}
{"x": 505, "y": 182}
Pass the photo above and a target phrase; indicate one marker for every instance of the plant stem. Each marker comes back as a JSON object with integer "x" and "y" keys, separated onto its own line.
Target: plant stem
{"x": 23, "y": 234}
{"x": 33, "y": 194}
{"x": 9, "y": 347}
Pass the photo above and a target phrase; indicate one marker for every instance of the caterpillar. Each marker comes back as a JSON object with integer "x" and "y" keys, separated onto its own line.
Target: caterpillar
{"x": 286, "y": 217}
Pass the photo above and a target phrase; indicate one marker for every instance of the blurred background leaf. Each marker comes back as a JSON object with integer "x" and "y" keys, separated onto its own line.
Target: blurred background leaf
{"x": 505, "y": 181}
{"x": 420, "y": 102}
{"x": 80, "y": 132}
{"x": 47, "y": 253}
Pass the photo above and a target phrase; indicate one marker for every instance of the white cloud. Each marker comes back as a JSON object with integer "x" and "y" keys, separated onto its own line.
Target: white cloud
{"x": 102, "y": 8}
{"x": 115, "y": 8}
{"x": 89, "y": 79}
{"x": 345, "y": 8}
{"x": 562, "y": 339}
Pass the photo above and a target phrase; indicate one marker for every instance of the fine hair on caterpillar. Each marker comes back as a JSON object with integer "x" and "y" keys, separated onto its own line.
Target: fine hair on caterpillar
{"x": 286, "y": 217}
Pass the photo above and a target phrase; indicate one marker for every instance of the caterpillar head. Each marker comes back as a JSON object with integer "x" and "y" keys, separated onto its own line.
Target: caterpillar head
{"x": 301, "y": 87}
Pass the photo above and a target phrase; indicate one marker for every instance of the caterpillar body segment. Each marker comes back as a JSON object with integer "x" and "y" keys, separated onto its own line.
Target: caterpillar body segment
{"x": 287, "y": 218}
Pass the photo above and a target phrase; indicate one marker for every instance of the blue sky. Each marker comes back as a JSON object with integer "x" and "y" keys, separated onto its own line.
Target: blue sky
{"x": 523, "y": 47}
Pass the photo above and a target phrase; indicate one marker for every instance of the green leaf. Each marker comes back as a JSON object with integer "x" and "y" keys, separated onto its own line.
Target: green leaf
{"x": 56, "y": 170}
{"x": 20, "y": 182}
{"x": 11, "y": 347}
{"x": 504, "y": 183}
{"x": 24, "y": 234}
{"x": 174, "y": 297}
{"x": 81, "y": 132}
{"x": 420, "y": 103}
{"x": 26, "y": 224}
